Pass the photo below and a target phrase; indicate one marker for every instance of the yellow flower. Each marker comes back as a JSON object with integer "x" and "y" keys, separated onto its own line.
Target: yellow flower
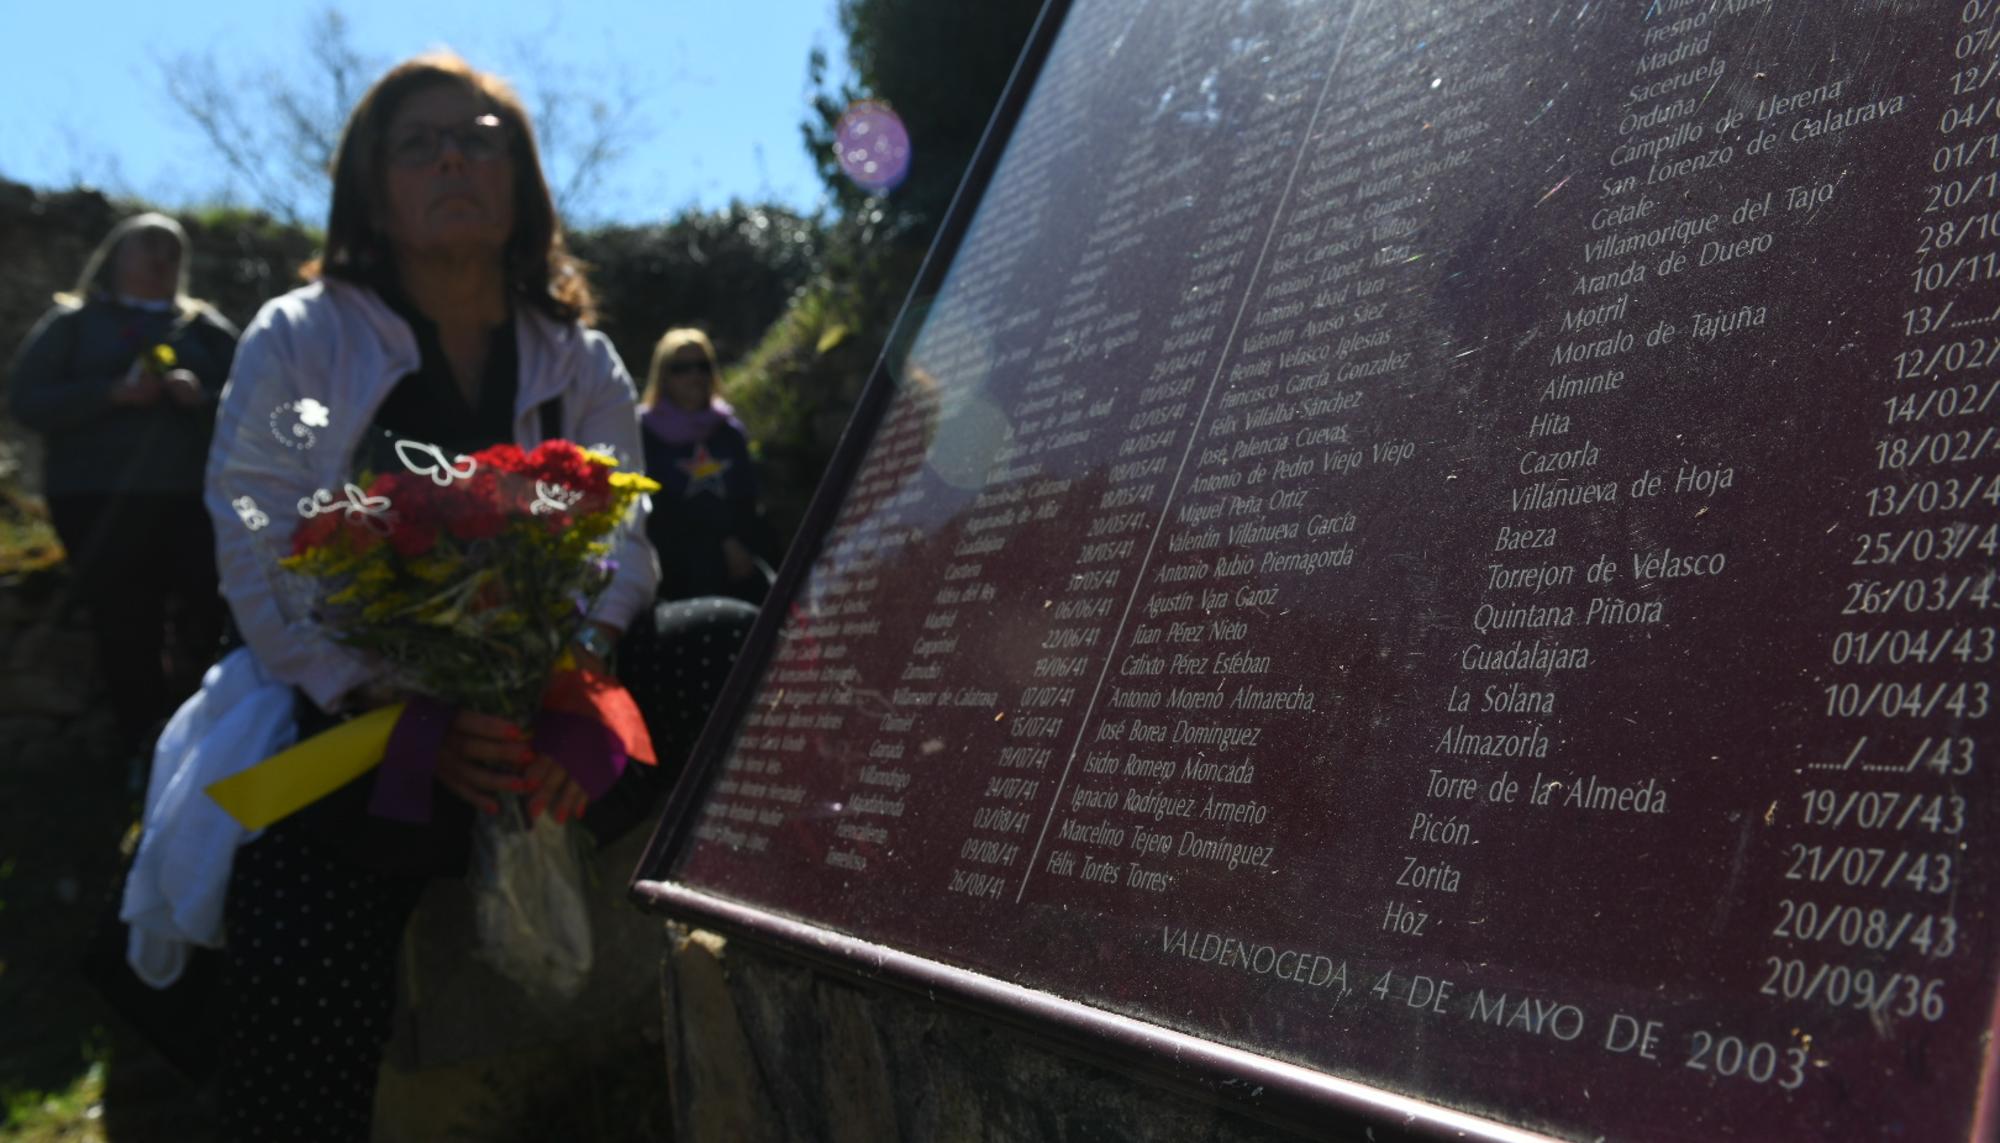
{"x": 633, "y": 482}
{"x": 432, "y": 570}
{"x": 322, "y": 562}
{"x": 391, "y": 604}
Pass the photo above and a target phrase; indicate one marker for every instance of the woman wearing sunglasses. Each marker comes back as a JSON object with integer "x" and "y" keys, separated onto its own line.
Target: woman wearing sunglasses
{"x": 706, "y": 522}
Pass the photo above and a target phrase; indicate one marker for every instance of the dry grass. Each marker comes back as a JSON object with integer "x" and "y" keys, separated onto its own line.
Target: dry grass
{"x": 27, "y": 541}
{"x": 73, "y": 1115}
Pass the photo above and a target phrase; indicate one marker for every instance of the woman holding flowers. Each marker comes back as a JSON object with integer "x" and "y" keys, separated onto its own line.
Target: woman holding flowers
{"x": 120, "y": 380}
{"x": 444, "y": 317}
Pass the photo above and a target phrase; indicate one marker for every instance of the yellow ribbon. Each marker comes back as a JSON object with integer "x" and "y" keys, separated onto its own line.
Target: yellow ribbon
{"x": 296, "y": 777}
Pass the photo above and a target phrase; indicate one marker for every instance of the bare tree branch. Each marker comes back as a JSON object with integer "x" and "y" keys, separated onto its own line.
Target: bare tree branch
{"x": 585, "y": 127}
{"x": 276, "y": 129}
{"x": 275, "y": 133}
{"x": 197, "y": 88}
{"x": 88, "y": 162}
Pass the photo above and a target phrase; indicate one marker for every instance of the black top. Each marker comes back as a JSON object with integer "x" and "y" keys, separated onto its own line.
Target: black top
{"x": 61, "y": 382}
{"x": 426, "y": 406}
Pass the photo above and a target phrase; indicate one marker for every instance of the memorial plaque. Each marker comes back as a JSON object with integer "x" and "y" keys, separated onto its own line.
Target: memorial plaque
{"x": 1437, "y": 552}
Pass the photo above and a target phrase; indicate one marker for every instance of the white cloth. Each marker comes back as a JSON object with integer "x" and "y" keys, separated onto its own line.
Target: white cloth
{"x": 310, "y": 373}
{"x": 180, "y": 876}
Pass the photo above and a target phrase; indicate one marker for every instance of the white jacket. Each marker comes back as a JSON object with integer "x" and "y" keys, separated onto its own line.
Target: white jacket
{"x": 310, "y": 372}
{"x": 175, "y": 892}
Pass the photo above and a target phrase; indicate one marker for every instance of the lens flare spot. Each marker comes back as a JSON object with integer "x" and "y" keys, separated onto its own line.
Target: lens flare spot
{"x": 873, "y": 146}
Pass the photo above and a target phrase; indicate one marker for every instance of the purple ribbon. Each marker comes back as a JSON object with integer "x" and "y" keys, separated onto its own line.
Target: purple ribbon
{"x": 585, "y": 748}
{"x": 406, "y": 777}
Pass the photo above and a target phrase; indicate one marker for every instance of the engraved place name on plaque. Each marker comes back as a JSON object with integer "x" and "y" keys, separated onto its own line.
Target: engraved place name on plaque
{"x": 1451, "y": 546}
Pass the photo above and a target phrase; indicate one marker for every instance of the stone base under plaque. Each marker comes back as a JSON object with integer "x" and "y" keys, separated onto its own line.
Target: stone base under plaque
{"x": 474, "y": 1057}
{"x": 765, "y": 1049}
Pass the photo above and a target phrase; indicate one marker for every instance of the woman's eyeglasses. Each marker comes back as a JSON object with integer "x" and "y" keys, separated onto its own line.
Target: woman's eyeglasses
{"x": 686, "y": 368}
{"x": 480, "y": 141}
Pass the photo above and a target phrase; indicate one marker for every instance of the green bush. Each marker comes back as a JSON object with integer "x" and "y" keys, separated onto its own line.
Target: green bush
{"x": 27, "y": 541}
{"x": 797, "y": 389}
{"x": 942, "y": 67}
{"x": 730, "y": 272}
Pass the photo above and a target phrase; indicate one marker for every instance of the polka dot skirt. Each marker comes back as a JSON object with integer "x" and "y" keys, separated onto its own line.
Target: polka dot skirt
{"x": 312, "y": 947}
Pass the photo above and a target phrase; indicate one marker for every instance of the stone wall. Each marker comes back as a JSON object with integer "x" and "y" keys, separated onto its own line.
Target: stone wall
{"x": 732, "y": 272}
{"x": 240, "y": 258}
{"x": 47, "y": 677}
{"x": 763, "y": 1049}
{"x": 240, "y": 261}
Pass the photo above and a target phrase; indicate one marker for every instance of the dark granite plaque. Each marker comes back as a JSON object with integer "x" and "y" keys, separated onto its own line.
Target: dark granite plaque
{"x": 1446, "y": 549}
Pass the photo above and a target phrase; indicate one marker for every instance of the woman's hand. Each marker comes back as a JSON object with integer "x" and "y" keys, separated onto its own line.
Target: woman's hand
{"x": 484, "y": 756}
{"x": 555, "y": 792}
{"x": 182, "y": 388}
{"x": 138, "y": 388}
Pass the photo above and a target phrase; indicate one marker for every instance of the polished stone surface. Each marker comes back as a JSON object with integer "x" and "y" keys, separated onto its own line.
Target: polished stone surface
{"x": 1449, "y": 544}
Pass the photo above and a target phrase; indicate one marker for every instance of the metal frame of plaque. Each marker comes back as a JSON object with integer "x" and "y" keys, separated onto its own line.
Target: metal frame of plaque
{"x": 1449, "y": 584}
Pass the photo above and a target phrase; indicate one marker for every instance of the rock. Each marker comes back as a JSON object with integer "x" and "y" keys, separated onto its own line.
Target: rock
{"x": 93, "y": 735}
{"x": 41, "y": 694}
{"x": 762, "y": 1048}
{"x": 717, "y": 1092}
{"x": 473, "y": 1056}
{"x": 47, "y": 648}
{"x": 46, "y": 754}
{"x": 22, "y": 729}
{"x": 47, "y": 669}
{"x": 26, "y": 736}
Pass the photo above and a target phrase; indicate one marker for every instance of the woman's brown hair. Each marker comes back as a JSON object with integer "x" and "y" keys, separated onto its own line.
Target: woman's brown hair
{"x": 540, "y": 270}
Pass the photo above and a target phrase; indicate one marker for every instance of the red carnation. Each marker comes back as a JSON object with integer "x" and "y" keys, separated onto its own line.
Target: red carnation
{"x": 314, "y": 533}
{"x": 476, "y": 519}
{"x": 411, "y": 538}
{"x": 364, "y": 532}
{"x": 503, "y": 458}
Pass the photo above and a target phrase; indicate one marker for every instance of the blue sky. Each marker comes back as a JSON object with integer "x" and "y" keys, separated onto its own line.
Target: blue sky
{"x": 719, "y": 88}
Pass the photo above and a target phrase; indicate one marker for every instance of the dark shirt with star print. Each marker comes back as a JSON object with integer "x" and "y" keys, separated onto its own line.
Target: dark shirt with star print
{"x": 708, "y": 492}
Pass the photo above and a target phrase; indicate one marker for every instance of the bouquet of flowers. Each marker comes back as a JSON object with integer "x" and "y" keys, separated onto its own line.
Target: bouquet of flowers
{"x": 466, "y": 578}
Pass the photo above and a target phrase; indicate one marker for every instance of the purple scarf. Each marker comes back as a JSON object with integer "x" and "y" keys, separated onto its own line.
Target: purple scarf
{"x": 677, "y": 426}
